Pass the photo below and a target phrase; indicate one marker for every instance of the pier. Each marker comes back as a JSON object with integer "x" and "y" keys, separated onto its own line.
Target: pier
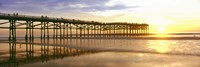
{"x": 66, "y": 28}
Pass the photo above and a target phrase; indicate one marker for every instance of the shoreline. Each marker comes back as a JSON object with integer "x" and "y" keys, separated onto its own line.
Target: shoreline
{"x": 132, "y": 38}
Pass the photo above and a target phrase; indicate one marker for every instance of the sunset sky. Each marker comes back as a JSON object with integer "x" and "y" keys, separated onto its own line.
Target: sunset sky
{"x": 162, "y": 15}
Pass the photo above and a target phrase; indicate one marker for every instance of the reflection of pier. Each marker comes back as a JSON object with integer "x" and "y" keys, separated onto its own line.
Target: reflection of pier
{"x": 34, "y": 53}
{"x": 59, "y": 27}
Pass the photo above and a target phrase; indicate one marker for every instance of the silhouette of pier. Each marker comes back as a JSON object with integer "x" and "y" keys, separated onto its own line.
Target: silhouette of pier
{"x": 60, "y": 27}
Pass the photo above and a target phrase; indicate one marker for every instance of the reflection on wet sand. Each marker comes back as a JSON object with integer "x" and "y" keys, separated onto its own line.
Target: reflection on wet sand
{"x": 97, "y": 52}
{"x": 36, "y": 53}
{"x": 160, "y": 46}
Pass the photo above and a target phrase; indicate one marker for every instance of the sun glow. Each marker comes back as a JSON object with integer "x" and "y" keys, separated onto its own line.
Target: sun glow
{"x": 158, "y": 20}
{"x": 159, "y": 24}
{"x": 161, "y": 30}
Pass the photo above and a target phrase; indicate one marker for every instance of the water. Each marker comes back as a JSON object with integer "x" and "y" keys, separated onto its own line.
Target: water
{"x": 99, "y": 52}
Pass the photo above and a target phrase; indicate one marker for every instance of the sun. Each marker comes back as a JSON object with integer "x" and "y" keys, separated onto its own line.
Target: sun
{"x": 162, "y": 30}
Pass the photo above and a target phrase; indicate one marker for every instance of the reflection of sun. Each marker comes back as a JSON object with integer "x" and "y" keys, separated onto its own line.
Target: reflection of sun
{"x": 160, "y": 46}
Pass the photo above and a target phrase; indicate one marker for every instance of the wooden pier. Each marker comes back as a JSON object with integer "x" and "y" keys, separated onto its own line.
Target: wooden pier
{"x": 60, "y": 27}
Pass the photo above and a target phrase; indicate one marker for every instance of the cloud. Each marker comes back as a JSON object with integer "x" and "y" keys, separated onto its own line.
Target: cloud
{"x": 104, "y": 8}
{"x": 79, "y": 5}
{"x": 148, "y": 6}
{"x": 83, "y": 6}
{"x": 36, "y": 6}
{"x": 64, "y": 6}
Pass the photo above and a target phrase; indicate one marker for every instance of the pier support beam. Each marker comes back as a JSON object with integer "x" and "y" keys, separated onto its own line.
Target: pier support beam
{"x": 12, "y": 30}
